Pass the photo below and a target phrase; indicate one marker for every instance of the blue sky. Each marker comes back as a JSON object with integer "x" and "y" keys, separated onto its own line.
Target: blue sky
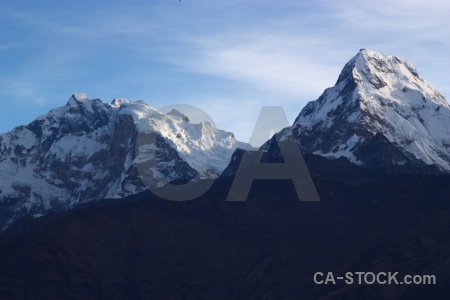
{"x": 227, "y": 57}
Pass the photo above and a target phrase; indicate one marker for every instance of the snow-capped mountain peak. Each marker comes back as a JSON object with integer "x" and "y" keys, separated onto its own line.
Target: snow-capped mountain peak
{"x": 377, "y": 71}
{"x": 379, "y": 102}
{"x": 79, "y": 98}
{"x": 117, "y": 102}
{"x": 88, "y": 150}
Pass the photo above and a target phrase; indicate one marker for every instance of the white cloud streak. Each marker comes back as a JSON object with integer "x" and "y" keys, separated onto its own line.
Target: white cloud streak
{"x": 270, "y": 55}
{"x": 278, "y": 63}
{"x": 284, "y": 61}
{"x": 21, "y": 89}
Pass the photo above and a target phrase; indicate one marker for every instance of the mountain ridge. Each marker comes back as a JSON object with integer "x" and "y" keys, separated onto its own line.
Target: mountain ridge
{"x": 379, "y": 104}
{"x": 269, "y": 246}
{"x": 88, "y": 150}
{"x": 379, "y": 114}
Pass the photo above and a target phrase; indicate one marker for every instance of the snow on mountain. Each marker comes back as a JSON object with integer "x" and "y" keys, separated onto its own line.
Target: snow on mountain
{"x": 87, "y": 150}
{"x": 380, "y": 113}
{"x": 176, "y": 113}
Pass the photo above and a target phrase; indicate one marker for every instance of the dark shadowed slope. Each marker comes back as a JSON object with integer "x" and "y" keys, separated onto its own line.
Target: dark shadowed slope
{"x": 268, "y": 247}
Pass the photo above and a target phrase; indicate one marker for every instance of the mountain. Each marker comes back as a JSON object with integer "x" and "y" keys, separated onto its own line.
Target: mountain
{"x": 372, "y": 217}
{"x": 268, "y": 247}
{"x": 88, "y": 150}
{"x": 380, "y": 113}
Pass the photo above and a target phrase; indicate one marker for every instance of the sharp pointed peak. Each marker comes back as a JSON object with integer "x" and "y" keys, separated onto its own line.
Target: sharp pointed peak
{"x": 77, "y": 98}
{"x": 369, "y": 52}
{"x": 371, "y": 66}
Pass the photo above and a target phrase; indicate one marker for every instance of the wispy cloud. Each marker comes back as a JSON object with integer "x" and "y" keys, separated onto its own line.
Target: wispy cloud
{"x": 414, "y": 30}
{"x": 8, "y": 46}
{"x": 290, "y": 61}
{"x": 229, "y": 57}
{"x": 21, "y": 89}
{"x": 279, "y": 63}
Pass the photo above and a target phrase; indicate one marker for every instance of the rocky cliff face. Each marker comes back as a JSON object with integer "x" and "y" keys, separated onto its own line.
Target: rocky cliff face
{"x": 380, "y": 113}
{"x": 88, "y": 150}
